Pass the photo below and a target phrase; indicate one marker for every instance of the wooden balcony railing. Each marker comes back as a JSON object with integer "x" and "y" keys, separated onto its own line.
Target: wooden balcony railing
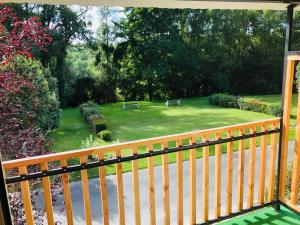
{"x": 218, "y": 141}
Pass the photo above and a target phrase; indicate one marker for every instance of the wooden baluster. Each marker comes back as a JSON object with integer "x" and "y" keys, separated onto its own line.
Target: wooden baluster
{"x": 288, "y": 92}
{"x": 192, "y": 154}
{"x": 47, "y": 195}
{"x": 151, "y": 188}
{"x": 272, "y": 165}
{"x": 218, "y": 175}
{"x": 241, "y": 169}
{"x": 252, "y": 159}
{"x": 86, "y": 193}
{"x": 205, "y": 183}
{"x": 136, "y": 190}
{"x": 296, "y": 161}
{"x": 229, "y": 175}
{"x": 26, "y": 197}
{"x": 104, "y": 199}
{"x": 179, "y": 173}
{"x": 67, "y": 193}
{"x": 120, "y": 189}
{"x": 166, "y": 191}
{"x": 262, "y": 167}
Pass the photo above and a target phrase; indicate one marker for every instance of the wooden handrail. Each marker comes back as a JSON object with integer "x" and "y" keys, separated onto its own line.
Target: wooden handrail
{"x": 128, "y": 145}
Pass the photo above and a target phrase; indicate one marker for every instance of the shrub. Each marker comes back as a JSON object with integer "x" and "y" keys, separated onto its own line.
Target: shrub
{"x": 99, "y": 125}
{"x": 223, "y": 100}
{"x": 93, "y": 117}
{"x": 258, "y": 105}
{"x": 105, "y": 135}
{"x": 87, "y": 112}
{"x": 88, "y": 104}
{"x": 274, "y": 109}
{"x": 252, "y": 104}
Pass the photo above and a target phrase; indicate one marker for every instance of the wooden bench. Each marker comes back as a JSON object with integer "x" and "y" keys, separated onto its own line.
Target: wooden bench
{"x": 173, "y": 102}
{"x": 130, "y": 105}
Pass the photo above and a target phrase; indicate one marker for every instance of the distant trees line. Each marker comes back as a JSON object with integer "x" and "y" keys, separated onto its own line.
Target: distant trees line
{"x": 171, "y": 53}
{"x": 152, "y": 53}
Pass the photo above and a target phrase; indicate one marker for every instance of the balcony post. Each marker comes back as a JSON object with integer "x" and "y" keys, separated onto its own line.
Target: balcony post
{"x": 5, "y": 215}
{"x": 288, "y": 45}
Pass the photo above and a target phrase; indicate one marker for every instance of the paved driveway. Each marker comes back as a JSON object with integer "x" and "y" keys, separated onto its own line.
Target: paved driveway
{"x": 78, "y": 209}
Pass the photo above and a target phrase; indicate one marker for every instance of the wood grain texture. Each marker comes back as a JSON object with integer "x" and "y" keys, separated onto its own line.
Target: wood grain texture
{"x": 86, "y": 193}
{"x": 288, "y": 88}
{"x": 229, "y": 170}
{"x": 47, "y": 196}
{"x": 296, "y": 162}
{"x": 262, "y": 167}
{"x": 136, "y": 188}
{"x": 166, "y": 186}
{"x": 26, "y": 197}
{"x": 192, "y": 183}
{"x": 179, "y": 174}
{"x": 103, "y": 191}
{"x": 205, "y": 182}
{"x": 151, "y": 187}
{"x": 272, "y": 167}
{"x": 67, "y": 193}
{"x": 252, "y": 159}
{"x": 241, "y": 171}
{"x": 120, "y": 189}
{"x": 218, "y": 176}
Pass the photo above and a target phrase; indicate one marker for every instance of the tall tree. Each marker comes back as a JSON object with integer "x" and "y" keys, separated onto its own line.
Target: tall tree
{"x": 65, "y": 25}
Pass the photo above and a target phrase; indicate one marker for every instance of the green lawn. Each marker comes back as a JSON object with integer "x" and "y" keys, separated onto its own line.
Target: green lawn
{"x": 151, "y": 120}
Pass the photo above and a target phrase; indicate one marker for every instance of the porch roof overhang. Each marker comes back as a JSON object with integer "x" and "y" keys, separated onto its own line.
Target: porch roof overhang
{"x": 193, "y": 4}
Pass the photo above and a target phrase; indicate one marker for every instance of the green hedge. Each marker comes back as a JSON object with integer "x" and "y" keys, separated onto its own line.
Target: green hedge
{"x": 245, "y": 103}
{"x": 88, "y": 104}
{"x": 87, "y": 112}
{"x": 91, "y": 115}
{"x": 105, "y": 135}
{"x": 99, "y": 125}
{"x": 223, "y": 100}
{"x": 258, "y": 105}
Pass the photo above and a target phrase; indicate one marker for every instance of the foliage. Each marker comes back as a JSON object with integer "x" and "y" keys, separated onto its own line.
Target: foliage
{"x": 40, "y": 101}
{"x": 86, "y": 78}
{"x": 252, "y": 104}
{"x": 105, "y": 135}
{"x": 87, "y": 112}
{"x": 99, "y": 125}
{"x": 88, "y": 104}
{"x": 12, "y": 43}
{"x": 182, "y": 53}
{"x": 274, "y": 109}
{"x": 28, "y": 103}
{"x": 91, "y": 115}
{"x": 257, "y": 105}
{"x": 223, "y": 100}
{"x": 65, "y": 24}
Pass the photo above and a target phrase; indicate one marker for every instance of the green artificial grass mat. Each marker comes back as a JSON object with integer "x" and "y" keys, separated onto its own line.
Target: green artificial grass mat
{"x": 265, "y": 216}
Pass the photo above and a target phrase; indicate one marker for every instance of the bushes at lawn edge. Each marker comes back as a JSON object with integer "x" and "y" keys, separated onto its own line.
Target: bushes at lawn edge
{"x": 223, "y": 100}
{"x": 105, "y": 135}
{"x": 245, "y": 103}
{"x": 91, "y": 115}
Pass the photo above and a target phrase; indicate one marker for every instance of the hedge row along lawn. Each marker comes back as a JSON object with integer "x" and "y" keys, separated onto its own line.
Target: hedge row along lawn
{"x": 151, "y": 120}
